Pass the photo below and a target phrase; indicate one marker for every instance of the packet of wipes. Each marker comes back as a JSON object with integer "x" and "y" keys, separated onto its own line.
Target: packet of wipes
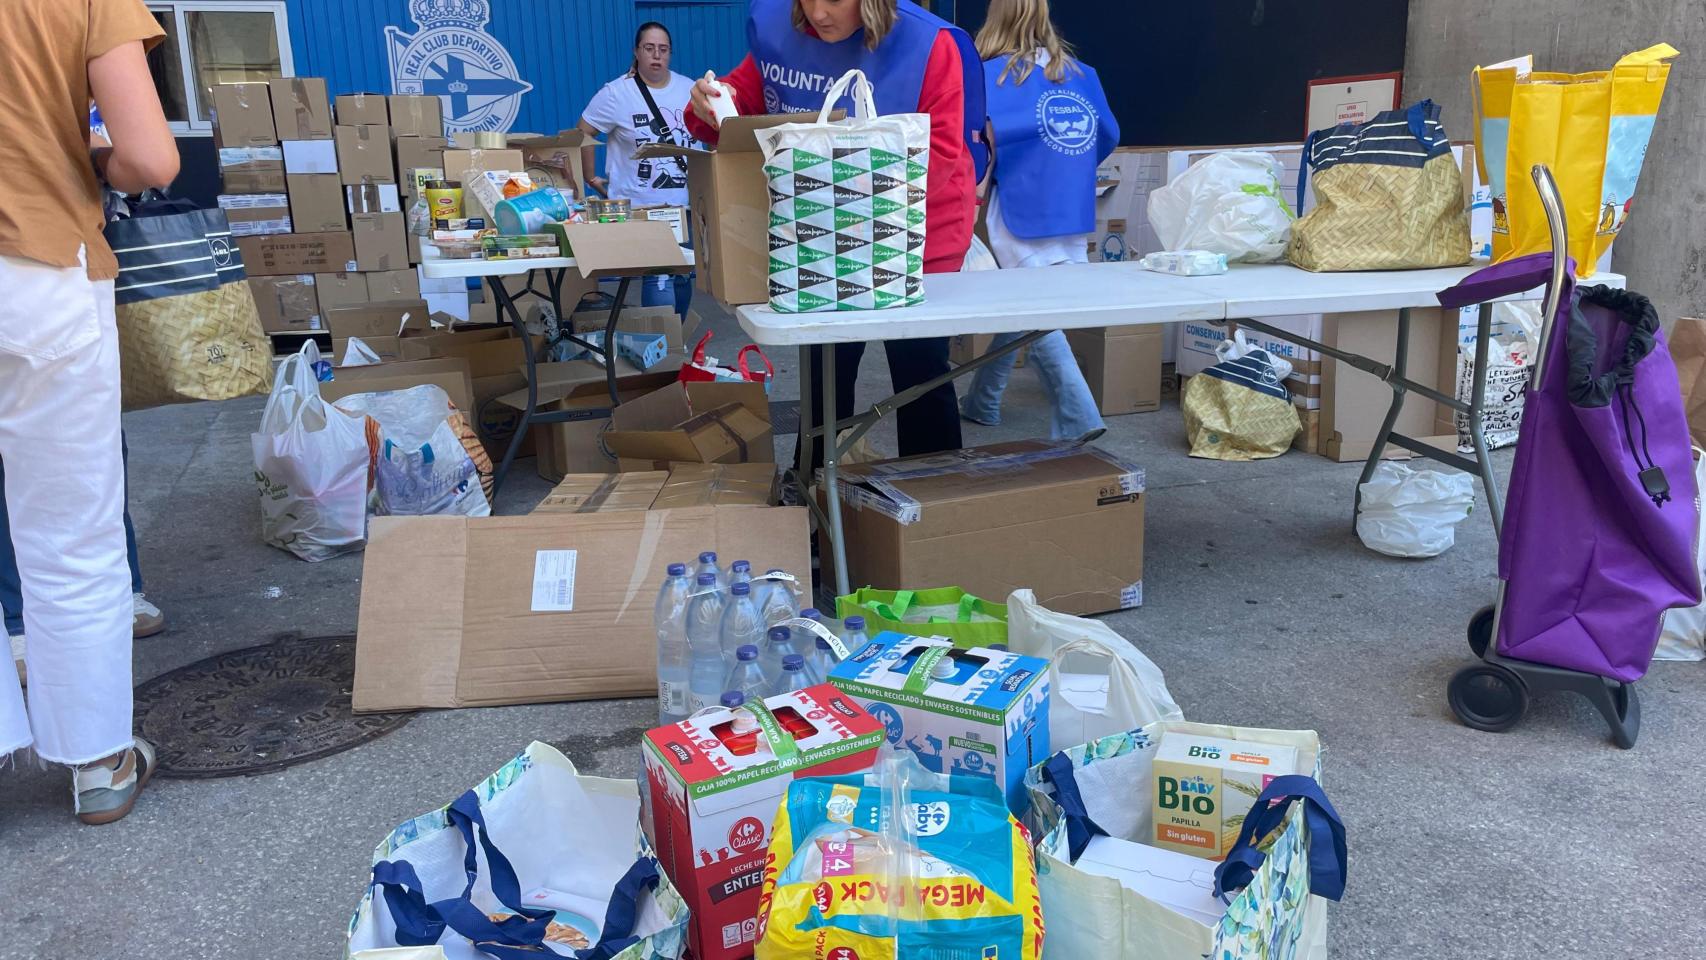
{"x": 1185, "y": 263}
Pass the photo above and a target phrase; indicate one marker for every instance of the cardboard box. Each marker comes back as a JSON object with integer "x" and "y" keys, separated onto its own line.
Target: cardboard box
{"x": 364, "y": 154}
{"x": 1180, "y": 882}
{"x": 1204, "y": 786}
{"x": 464, "y": 166}
{"x": 383, "y": 319}
{"x": 580, "y": 387}
{"x": 1121, "y": 365}
{"x": 977, "y": 712}
{"x": 676, "y": 217}
{"x": 316, "y": 203}
{"x": 716, "y": 484}
{"x": 1354, "y": 403}
{"x": 394, "y": 285}
{"x": 287, "y": 304}
{"x": 341, "y": 289}
{"x": 663, "y": 321}
{"x": 256, "y": 215}
{"x": 359, "y": 109}
{"x": 381, "y": 241}
{"x": 458, "y": 644}
{"x": 966, "y": 347}
{"x": 416, "y": 153}
{"x": 243, "y": 116}
{"x": 414, "y": 116}
{"x": 729, "y": 200}
{"x": 448, "y": 374}
{"x": 297, "y": 253}
{"x": 310, "y": 156}
{"x": 603, "y": 492}
{"x": 705, "y": 423}
{"x": 1062, "y": 519}
{"x": 489, "y": 352}
{"x": 252, "y": 170}
{"x": 300, "y": 109}
{"x": 373, "y": 198}
{"x": 554, "y": 161}
{"x": 713, "y": 801}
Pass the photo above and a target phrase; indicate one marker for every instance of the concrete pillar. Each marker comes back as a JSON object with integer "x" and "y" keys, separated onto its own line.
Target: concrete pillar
{"x": 1663, "y": 248}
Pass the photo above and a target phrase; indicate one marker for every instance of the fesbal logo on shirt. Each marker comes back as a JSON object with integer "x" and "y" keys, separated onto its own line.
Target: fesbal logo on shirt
{"x": 1066, "y": 120}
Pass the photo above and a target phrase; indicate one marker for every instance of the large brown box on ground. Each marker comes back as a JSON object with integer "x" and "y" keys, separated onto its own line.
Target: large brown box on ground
{"x": 364, "y": 154}
{"x": 300, "y": 108}
{"x": 1061, "y": 519}
{"x": 1353, "y": 402}
{"x": 1121, "y": 365}
{"x": 705, "y": 423}
{"x": 577, "y": 446}
{"x": 242, "y": 116}
{"x": 293, "y": 253}
{"x": 729, "y": 200}
{"x": 603, "y": 492}
{"x": 537, "y": 608}
{"x": 316, "y": 203}
{"x": 718, "y": 484}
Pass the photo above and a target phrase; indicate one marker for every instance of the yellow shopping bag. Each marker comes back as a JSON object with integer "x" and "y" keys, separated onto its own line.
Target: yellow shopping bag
{"x": 1590, "y": 128}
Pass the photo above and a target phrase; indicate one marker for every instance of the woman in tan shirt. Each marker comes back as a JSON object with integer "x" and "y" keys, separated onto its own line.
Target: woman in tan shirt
{"x": 59, "y": 378}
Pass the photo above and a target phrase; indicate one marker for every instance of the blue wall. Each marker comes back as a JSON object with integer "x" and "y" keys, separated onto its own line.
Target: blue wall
{"x": 566, "y": 49}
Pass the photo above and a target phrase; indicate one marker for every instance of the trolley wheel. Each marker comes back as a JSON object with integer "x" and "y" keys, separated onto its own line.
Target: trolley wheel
{"x": 1629, "y": 712}
{"x": 1481, "y": 631}
{"x": 1487, "y": 696}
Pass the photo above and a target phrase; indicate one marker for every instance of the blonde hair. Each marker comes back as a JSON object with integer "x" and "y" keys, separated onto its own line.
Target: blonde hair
{"x": 1017, "y": 28}
{"x": 878, "y": 16}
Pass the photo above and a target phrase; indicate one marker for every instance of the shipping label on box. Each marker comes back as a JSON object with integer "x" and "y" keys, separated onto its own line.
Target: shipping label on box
{"x": 716, "y": 781}
{"x": 978, "y": 712}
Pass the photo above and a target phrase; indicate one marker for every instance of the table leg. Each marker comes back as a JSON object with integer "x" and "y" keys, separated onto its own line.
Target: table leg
{"x": 1395, "y": 379}
{"x": 506, "y": 304}
{"x": 1477, "y": 434}
{"x": 803, "y": 467}
{"x": 832, "y": 493}
{"x": 610, "y": 339}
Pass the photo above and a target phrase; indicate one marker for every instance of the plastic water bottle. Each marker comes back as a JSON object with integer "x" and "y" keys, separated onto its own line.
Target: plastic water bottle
{"x": 853, "y": 634}
{"x": 740, "y": 572}
{"x": 742, "y": 623}
{"x": 704, "y": 637}
{"x": 777, "y": 599}
{"x": 794, "y": 676}
{"x": 708, "y": 564}
{"x": 821, "y": 660}
{"x": 732, "y": 699}
{"x": 747, "y": 677}
{"x": 669, "y": 617}
{"x": 778, "y": 647}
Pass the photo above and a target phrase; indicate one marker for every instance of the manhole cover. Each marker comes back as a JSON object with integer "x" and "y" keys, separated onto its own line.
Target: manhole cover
{"x": 257, "y": 710}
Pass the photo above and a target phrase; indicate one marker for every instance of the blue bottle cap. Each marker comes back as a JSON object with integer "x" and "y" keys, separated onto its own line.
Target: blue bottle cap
{"x": 780, "y": 633}
{"x": 810, "y": 613}
{"x": 823, "y": 644}
{"x": 741, "y": 566}
{"x": 709, "y": 556}
{"x": 855, "y": 623}
{"x": 733, "y": 698}
{"x": 793, "y": 661}
{"x": 707, "y": 580}
{"x": 740, "y": 589}
{"x": 746, "y": 652}
{"x": 678, "y": 570}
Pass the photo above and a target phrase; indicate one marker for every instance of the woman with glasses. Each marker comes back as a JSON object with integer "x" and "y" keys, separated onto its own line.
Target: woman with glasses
{"x": 645, "y": 105}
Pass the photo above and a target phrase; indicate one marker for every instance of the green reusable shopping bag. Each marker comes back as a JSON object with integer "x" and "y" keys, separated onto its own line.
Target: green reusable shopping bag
{"x": 941, "y": 612}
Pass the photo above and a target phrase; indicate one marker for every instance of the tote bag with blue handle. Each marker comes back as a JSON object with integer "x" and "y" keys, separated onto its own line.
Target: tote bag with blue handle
{"x": 1275, "y": 893}
{"x": 535, "y": 862}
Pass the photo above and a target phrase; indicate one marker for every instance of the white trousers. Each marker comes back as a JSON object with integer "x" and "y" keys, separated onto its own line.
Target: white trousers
{"x": 59, "y": 439}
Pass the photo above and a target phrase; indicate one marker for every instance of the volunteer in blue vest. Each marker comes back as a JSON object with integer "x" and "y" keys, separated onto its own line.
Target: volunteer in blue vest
{"x": 917, "y": 63}
{"x": 1052, "y": 126}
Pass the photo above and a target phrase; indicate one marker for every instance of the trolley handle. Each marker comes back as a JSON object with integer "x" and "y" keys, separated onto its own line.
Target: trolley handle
{"x": 1553, "y": 204}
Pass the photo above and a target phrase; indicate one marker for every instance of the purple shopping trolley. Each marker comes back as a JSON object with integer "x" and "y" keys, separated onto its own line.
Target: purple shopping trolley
{"x": 1599, "y": 531}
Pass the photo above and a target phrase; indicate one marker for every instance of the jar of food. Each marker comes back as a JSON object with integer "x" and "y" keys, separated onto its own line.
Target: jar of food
{"x": 444, "y": 200}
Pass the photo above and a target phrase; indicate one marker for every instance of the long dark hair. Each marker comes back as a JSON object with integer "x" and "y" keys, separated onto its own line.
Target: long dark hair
{"x": 640, "y": 35}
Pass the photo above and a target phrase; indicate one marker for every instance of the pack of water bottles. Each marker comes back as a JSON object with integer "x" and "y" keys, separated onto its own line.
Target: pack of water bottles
{"x": 726, "y": 636}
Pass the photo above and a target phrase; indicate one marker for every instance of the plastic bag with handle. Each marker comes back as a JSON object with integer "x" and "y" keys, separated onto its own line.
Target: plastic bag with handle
{"x": 704, "y": 369}
{"x": 310, "y": 465}
{"x": 1407, "y": 512}
{"x": 1102, "y": 683}
{"x": 420, "y": 465}
{"x": 1226, "y": 203}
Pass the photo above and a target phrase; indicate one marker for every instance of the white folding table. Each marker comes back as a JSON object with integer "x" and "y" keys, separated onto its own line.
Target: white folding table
{"x": 1076, "y": 296}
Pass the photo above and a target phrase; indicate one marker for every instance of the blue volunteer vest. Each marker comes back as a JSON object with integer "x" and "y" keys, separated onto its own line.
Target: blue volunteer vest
{"x": 798, "y": 69}
{"x": 1049, "y": 137}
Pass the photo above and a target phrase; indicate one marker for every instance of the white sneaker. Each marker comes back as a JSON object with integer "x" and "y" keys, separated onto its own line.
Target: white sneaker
{"x": 18, "y": 659}
{"x": 148, "y": 618}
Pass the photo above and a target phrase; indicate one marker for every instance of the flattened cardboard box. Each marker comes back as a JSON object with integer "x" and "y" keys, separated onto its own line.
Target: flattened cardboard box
{"x": 717, "y": 484}
{"x": 538, "y": 608}
{"x": 603, "y": 492}
{"x": 1062, "y": 519}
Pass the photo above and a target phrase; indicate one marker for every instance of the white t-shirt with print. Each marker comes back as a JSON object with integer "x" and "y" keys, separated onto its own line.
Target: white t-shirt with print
{"x": 620, "y": 112}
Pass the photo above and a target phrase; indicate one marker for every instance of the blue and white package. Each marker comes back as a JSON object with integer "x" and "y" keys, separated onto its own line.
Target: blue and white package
{"x": 976, "y": 712}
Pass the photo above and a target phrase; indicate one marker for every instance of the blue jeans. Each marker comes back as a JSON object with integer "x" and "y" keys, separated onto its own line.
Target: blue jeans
{"x": 1075, "y": 412}
{"x": 676, "y": 291}
{"x": 11, "y": 590}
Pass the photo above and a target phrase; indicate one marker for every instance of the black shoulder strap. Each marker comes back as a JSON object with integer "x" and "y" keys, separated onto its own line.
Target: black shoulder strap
{"x": 660, "y": 126}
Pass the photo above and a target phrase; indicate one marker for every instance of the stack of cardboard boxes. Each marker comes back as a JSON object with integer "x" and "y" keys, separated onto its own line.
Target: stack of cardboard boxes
{"x": 314, "y": 199}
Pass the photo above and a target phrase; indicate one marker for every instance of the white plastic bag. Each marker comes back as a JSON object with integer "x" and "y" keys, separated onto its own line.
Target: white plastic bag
{"x": 1237, "y": 347}
{"x": 421, "y": 467}
{"x": 1102, "y": 683}
{"x": 1226, "y": 203}
{"x": 358, "y": 354}
{"x": 1684, "y": 633}
{"x": 1407, "y": 512}
{"x": 311, "y": 466}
